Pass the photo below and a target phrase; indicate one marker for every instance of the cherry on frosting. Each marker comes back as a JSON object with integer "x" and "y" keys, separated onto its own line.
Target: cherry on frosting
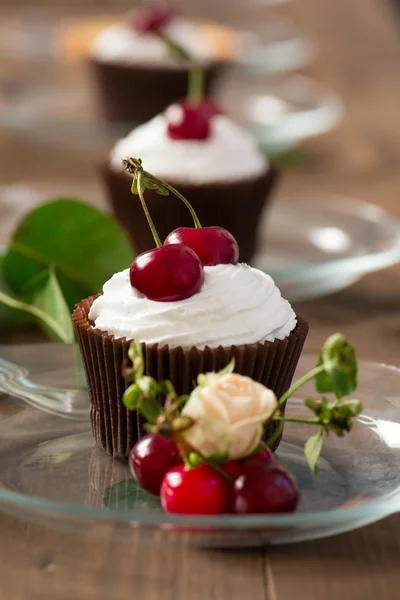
{"x": 187, "y": 121}
{"x": 213, "y": 245}
{"x": 209, "y": 107}
{"x": 151, "y": 19}
{"x": 167, "y": 274}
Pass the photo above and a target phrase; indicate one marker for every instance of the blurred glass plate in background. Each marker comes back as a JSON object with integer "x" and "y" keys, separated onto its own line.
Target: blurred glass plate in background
{"x": 281, "y": 112}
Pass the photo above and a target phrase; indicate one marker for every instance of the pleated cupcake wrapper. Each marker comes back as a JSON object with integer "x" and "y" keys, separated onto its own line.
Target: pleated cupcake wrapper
{"x": 115, "y": 428}
{"x": 134, "y": 94}
{"x": 235, "y": 205}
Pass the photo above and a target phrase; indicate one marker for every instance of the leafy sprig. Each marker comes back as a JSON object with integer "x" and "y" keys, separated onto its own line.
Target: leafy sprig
{"x": 335, "y": 373}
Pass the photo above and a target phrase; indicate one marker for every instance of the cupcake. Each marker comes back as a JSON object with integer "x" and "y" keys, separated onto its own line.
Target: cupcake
{"x": 226, "y": 177}
{"x": 193, "y": 307}
{"x": 135, "y": 69}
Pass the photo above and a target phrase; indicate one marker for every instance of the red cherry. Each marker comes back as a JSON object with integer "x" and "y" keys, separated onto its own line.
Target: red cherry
{"x": 232, "y": 468}
{"x": 263, "y": 454}
{"x": 210, "y": 108}
{"x": 199, "y": 491}
{"x": 150, "y": 459}
{"x": 167, "y": 274}
{"x": 213, "y": 245}
{"x": 186, "y": 121}
{"x": 264, "y": 487}
{"x": 150, "y": 20}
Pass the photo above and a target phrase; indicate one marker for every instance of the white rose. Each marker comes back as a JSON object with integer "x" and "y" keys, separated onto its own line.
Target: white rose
{"x": 228, "y": 413}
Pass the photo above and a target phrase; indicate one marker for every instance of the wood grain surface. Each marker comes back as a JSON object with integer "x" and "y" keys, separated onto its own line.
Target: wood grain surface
{"x": 360, "y": 59}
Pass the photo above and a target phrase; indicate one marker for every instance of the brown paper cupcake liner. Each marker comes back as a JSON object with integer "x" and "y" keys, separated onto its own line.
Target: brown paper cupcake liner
{"x": 136, "y": 93}
{"x": 237, "y": 206}
{"x": 115, "y": 428}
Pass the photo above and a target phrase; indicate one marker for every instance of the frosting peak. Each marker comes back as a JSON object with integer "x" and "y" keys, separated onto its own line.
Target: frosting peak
{"x": 229, "y": 154}
{"x": 236, "y": 305}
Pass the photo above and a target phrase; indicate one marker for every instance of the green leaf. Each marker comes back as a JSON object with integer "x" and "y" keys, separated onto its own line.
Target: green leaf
{"x": 343, "y": 415}
{"x": 150, "y": 408}
{"x": 51, "y": 301}
{"x": 134, "y": 186}
{"x": 135, "y": 354}
{"x": 36, "y": 312}
{"x": 228, "y": 369}
{"x": 11, "y": 317}
{"x": 148, "y": 386}
{"x": 149, "y": 184}
{"x": 127, "y": 495}
{"x": 340, "y": 367}
{"x": 132, "y": 397}
{"x": 85, "y": 246}
{"x": 162, "y": 191}
{"x": 312, "y": 450}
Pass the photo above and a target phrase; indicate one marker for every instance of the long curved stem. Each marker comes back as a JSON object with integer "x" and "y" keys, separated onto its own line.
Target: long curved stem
{"x": 38, "y": 313}
{"x": 140, "y": 187}
{"x": 299, "y": 383}
{"x": 169, "y": 187}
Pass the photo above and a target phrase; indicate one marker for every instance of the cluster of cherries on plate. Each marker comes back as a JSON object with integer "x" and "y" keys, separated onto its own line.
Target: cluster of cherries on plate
{"x": 258, "y": 484}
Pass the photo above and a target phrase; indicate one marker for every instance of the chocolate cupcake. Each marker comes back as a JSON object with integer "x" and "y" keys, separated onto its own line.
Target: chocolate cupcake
{"x": 137, "y": 74}
{"x": 223, "y": 174}
{"x": 238, "y": 313}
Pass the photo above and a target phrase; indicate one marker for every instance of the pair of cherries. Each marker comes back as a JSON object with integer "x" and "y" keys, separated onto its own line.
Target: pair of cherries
{"x": 175, "y": 271}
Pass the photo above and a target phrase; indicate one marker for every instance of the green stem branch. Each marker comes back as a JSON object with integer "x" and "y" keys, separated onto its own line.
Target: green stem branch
{"x": 299, "y": 383}
{"x": 315, "y": 421}
{"x": 169, "y": 187}
{"x": 195, "y": 84}
{"x": 140, "y": 188}
{"x": 38, "y": 313}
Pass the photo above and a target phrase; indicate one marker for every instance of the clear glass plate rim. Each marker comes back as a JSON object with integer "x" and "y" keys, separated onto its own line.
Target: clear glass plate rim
{"x": 362, "y": 264}
{"x": 377, "y": 508}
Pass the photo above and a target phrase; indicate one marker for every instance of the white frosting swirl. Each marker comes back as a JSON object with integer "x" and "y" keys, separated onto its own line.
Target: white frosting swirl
{"x": 236, "y": 305}
{"x": 121, "y": 44}
{"x": 229, "y": 154}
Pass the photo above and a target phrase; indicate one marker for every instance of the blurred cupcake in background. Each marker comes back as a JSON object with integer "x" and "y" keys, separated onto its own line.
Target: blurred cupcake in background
{"x": 209, "y": 158}
{"x": 195, "y": 147}
{"x": 135, "y": 66}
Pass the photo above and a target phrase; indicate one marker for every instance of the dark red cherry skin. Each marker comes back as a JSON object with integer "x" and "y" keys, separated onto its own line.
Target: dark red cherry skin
{"x": 151, "y": 19}
{"x": 167, "y": 274}
{"x": 264, "y": 487}
{"x": 264, "y": 454}
{"x": 213, "y": 245}
{"x": 232, "y": 468}
{"x": 209, "y": 107}
{"x": 150, "y": 459}
{"x": 185, "y": 121}
{"x": 199, "y": 491}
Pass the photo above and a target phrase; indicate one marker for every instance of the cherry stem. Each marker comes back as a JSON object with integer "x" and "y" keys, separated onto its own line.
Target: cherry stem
{"x": 310, "y": 375}
{"x": 169, "y": 187}
{"x": 174, "y": 48}
{"x": 195, "y": 84}
{"x": 140, "y": 189}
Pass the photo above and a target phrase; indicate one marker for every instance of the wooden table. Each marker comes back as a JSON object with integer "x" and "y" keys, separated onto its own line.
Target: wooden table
{"x": 360, "y": 58}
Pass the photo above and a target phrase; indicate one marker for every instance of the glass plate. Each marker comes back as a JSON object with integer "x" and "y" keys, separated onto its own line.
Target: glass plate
{"x": 281, "y": 112}
{"x": 340, "y": 239}
{"x": 50, "y": 471}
